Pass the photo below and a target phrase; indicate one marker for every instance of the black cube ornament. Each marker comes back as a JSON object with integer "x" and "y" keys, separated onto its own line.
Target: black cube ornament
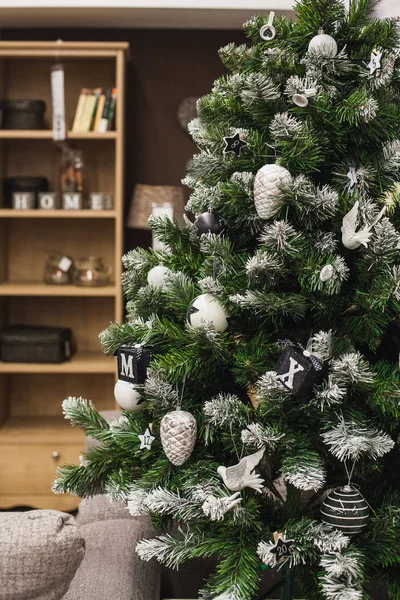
{"x": 298, "y": 370}
{"x": 345, "y": 509}
{"x": 133, "y": 362}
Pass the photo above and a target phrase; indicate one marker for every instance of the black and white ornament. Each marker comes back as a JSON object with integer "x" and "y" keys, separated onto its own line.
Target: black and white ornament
{"x": 268, "y": 31}
{"x": 209, "y": 222}
{"x": 268, "y": 184}
{"x": 374, "y": 64}
{"x": 178, "y": 432}
{"x": 282, "y": 548}
{"x": 206, "y": 309}
{"x": 299, "y": 370}
{"x": 132, "y": 373}
{"x": 323, "y": 45}
{"x": 235, "y": 144}
{"x": 146, "y": 440}
{"x": 345, "y": 509}
{"x": 158, "y": 276}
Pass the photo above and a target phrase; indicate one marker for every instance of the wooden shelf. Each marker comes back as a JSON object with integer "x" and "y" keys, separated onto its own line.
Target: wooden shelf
{"x": 33, "y": 430}
{"x": 18, "y": 288}
{"x": 37, "y": 213}
{"x": 47, "y": 134}
{"x": 34, "y": 437}
{"x": 159, "y": 14}
{"x": 82, "y": 362}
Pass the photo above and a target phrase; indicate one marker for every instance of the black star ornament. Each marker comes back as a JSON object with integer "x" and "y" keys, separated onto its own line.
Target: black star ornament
{"x": 282, "y": 548}
{"x": 234, "y": 144}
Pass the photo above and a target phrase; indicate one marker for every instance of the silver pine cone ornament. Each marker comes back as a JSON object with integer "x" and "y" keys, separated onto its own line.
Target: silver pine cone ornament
{"x": 267, "y": 189}
{"x": 178, "y": 432}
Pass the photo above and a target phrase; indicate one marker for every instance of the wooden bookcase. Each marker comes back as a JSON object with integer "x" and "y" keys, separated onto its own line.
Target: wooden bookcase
{"x": 34, "y": 437}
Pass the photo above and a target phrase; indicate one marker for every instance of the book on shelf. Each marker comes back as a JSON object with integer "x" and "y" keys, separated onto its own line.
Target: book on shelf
{"x": 79, "y": 109}
{"x": 95, "y": 110}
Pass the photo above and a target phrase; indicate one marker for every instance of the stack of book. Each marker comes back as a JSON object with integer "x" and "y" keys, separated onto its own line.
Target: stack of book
{"x": 95, "y": 110}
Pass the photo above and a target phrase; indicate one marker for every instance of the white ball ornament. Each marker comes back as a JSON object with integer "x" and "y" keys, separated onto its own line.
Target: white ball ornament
{"x": 268, "y": 188}
{"x": 127, "y": 396}
{"x": 206, "y": 309}
{"x": 323, "y": 45}
{"x": 326, "y": 273}
{"x": 178, "y": 432}
{"x": 157, "y": 276}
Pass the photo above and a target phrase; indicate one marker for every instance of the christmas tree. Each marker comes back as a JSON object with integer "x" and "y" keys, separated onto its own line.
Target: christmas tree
{"x": 258, "y": 366}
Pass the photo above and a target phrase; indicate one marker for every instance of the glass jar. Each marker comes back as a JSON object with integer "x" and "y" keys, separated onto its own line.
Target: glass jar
{"x": 91, "y": 271}
{"x": 58, "y": 269}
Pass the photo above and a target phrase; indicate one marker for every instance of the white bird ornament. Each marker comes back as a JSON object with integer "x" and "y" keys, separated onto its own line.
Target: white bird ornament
{"x": 351, "y": 238}
{"x": 242, "y": 475}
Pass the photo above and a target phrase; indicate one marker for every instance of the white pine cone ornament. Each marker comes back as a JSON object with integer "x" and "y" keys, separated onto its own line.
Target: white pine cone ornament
{"x": 267, "y": 189}
{"x": 178, "y": 432}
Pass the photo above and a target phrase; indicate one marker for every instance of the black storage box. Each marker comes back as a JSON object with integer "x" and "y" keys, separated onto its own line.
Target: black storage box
{"x": 35, "y": 344}
{"x": 23, "y": 114}
{"x": 23, "y": 184}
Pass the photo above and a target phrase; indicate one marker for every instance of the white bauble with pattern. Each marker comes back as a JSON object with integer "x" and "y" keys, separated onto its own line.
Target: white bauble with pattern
{"x": 323, "y": 45}
{"x": 178, "y": 432}
{"x": 268, "y": 184}
{"x": 206, "y": 309}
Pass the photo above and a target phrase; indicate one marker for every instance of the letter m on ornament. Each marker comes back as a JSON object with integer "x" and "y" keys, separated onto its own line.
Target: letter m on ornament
{"x": 133, "y": 362}
{"x": 126, "y": 358}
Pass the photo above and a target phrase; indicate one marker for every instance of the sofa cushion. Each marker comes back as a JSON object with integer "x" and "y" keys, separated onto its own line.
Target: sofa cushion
{"x": 40, "y": 551}
{"x": 111, "y": 568}
{"x": 101, "y": 508}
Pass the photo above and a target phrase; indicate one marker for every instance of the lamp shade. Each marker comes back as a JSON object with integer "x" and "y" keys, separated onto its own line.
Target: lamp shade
{"x": 149, "y": 199}
{"x": 388, "y": 8}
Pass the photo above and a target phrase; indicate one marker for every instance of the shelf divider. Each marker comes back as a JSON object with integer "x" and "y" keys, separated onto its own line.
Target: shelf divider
{"x": 40, "y": 213}
{"x": 81, "y": 362}
{"x": 26, "y": 288}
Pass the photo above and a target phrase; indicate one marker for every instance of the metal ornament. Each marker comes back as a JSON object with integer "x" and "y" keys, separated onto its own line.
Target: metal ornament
{"x": 353, "y": 239}
{"x": 268, "y": 31}
{"x": 146, "y": 440}
{"x": 234, "y": 144}
{"x": 242, "y": 475}
{"x": 345, "y": 509}
{"x": 209, "y": 222}
{"x": 326, "y": 273}
{"x": 282, "y": 547}
{"x": 375, "y": 62}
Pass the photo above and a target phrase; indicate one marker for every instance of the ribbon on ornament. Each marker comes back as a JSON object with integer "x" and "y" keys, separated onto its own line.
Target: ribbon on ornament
{"x": 316, "y": 362}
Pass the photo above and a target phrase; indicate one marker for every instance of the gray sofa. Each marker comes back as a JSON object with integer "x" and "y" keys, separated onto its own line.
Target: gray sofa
{"x": 50, "y": 555}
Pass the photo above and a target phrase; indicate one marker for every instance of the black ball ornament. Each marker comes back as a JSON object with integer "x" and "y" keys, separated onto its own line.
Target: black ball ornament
{"x": 345, "y": 509}
{"x": 210, "y": 222}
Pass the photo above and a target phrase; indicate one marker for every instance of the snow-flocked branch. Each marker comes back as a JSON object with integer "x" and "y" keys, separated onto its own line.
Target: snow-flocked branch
{"x": 350, "y": 440}
{"x": 257, "y": 436}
